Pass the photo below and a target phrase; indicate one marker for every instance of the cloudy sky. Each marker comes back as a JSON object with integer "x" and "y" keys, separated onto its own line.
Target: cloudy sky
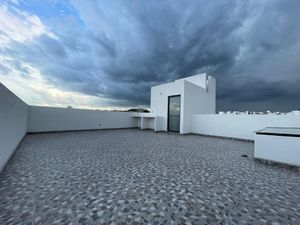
{"x": 107, "y": 54}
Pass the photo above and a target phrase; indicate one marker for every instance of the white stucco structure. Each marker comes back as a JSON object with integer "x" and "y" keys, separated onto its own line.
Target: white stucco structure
{"x": 197, "y": 96}
{"x": 240, "y": 126}
{"x": 278, "y": 145}
{"x": 45, "y": 119}
{"x": 13, "y": 123}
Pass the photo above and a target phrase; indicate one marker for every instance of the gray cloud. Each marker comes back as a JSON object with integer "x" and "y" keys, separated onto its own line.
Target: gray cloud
{"x": 122, "y": 49}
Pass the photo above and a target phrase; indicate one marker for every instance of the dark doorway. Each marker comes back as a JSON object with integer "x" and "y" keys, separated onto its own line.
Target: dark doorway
{"x": 174, "y": 113}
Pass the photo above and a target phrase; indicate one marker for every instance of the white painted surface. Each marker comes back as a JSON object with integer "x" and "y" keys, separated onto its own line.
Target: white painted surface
{"x": 240, "y": 126}
{"x": 158, "y": 123}
{"x": 198, "y": 80}
{"x": 43, "y": 119}
{"x": 278, "y": 149}
{"x": 145, "y": 120}
{"x": 139, "y": 115}
{"x": 159, "y": 101}
{"x": 198, "y": 101}
{"x": 198, "y": 95}
{"x": 13, "y": 120}
{"x": 147, "y": 123}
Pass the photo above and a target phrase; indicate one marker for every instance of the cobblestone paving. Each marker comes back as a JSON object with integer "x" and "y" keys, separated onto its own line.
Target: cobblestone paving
{"x": 142, "y": 177}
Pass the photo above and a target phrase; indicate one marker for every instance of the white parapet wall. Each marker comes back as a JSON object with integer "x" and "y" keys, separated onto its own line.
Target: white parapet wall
{"x": 47, "y": 119}
{"x": 278, "y": 145}
{"x": 13, "y": 123}
{"x": 240, "y": 126}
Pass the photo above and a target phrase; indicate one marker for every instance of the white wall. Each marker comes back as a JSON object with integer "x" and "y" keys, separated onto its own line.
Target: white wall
{"x": 278, "y": 149}
{"x": 43, "y": 119}
{"x": 240, "y": 126}
{"x": 159, "y": 101}
{"x": 199, "y": 80}
{"x": 198, "y": 101}
{"x": 13, "y": 122}
{"x": 198, "y": 95}
{"x": 148, "y": 123}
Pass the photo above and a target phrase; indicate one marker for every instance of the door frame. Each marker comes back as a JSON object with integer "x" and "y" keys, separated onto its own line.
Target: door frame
{"x": 170, "y": 96}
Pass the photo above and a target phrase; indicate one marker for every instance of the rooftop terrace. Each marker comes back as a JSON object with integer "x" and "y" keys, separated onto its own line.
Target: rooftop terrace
{"x": 141, "y": 177}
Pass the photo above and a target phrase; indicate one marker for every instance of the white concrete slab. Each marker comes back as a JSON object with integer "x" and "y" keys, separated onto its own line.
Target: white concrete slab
{"x": 278, "y": 145}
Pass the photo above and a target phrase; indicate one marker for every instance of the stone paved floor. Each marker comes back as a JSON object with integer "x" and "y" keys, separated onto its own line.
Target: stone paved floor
{"x": 142, "y": 177}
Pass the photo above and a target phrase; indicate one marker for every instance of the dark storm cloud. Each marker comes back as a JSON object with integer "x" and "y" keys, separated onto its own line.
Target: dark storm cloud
{"x": 124, "y": 48}
{"x": 262, "y": 91}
